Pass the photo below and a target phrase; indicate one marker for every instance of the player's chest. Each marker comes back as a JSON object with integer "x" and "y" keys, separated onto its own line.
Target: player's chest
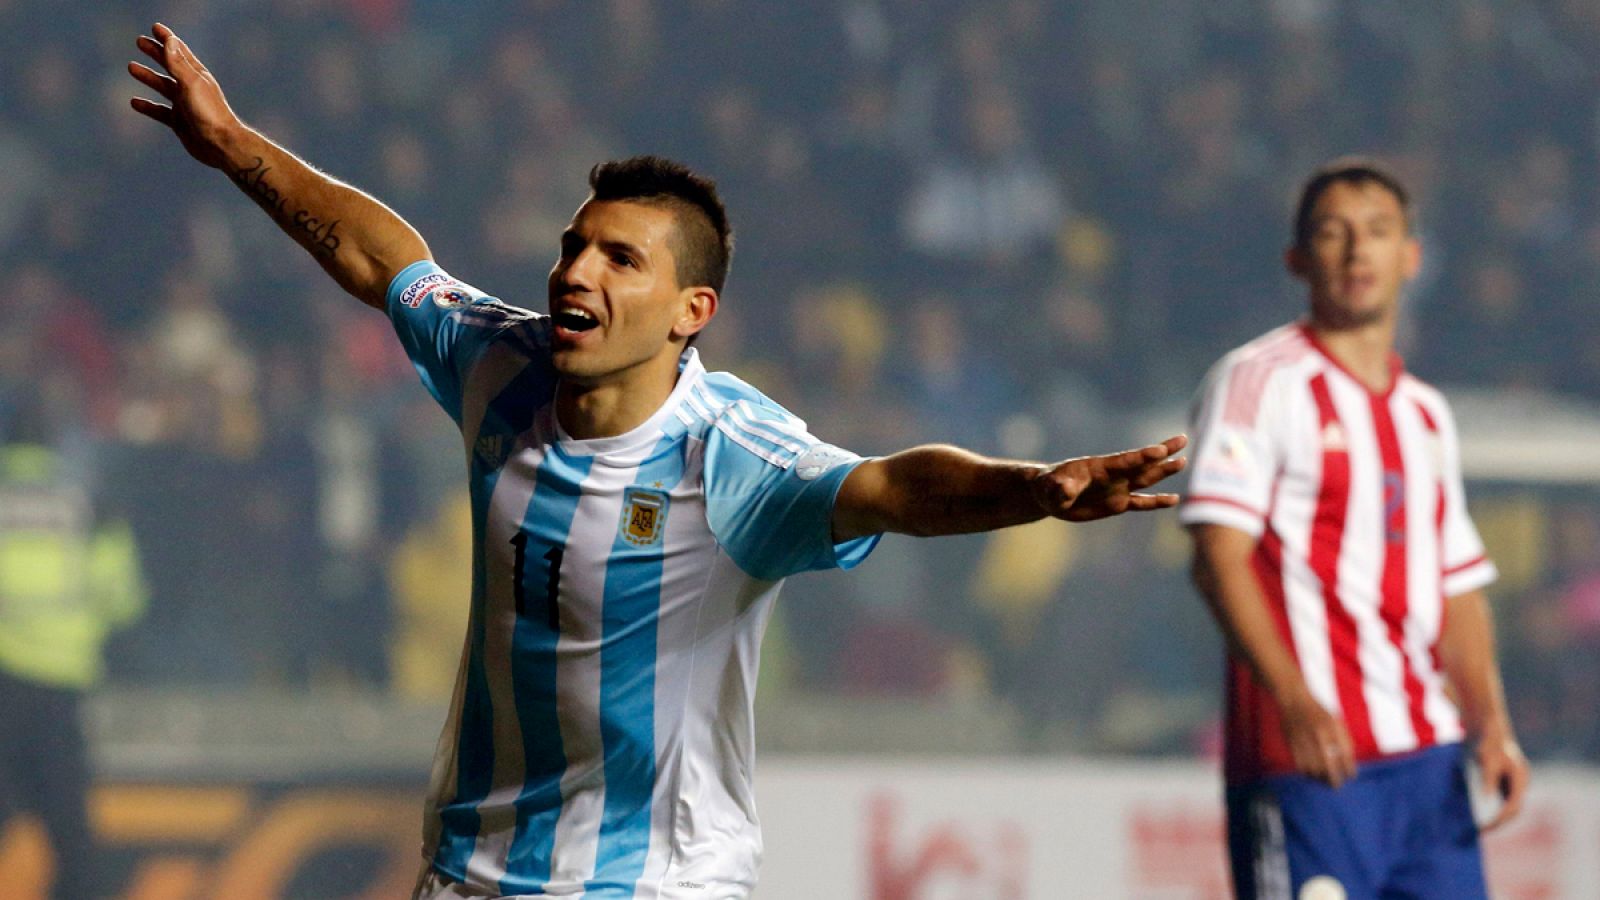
{"x": 585, "y": 529}
{"x": 1375, "y": 460}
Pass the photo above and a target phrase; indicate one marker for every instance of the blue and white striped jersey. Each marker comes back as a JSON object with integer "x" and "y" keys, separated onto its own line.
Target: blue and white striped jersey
{"x": 600, "y": 741}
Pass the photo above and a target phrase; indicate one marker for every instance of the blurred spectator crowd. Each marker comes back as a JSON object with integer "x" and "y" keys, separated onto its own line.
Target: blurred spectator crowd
{"x": 1013, "y": 225}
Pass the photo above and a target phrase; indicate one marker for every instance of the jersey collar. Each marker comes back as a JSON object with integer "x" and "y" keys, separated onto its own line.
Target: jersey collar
{"x": 1396, "y": 364}
{"x": 646, "y": 434}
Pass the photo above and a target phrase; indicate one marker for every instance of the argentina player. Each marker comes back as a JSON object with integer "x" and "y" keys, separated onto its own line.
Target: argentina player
{"x": 634, "y": 518}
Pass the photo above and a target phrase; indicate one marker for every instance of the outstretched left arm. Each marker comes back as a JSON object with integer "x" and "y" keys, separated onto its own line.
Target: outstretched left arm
{"x": 938, "y": 489}
{"x": 1466, "y": 651}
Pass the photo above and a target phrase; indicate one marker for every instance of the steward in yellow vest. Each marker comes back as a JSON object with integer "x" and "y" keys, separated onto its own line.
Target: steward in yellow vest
{"x": 66, "y": 582}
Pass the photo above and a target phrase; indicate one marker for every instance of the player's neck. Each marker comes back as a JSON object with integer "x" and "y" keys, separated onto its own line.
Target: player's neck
{"x": 1365, "y": 351}
{"x": 612, "y": 407}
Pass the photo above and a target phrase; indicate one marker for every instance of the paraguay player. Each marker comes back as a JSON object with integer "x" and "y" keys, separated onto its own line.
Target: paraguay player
{"x": 1333, "y": 543}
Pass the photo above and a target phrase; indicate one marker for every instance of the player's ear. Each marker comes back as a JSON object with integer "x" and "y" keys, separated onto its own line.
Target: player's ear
{"x": 1296, "y": 261}
{"x": 1413, "y": 260}
{"x": 699, "y": 305}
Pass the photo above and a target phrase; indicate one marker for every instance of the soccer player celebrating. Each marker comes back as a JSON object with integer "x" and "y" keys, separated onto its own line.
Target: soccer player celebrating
{"x": 634, "y": 516}
{"x": 1332, "y": 543}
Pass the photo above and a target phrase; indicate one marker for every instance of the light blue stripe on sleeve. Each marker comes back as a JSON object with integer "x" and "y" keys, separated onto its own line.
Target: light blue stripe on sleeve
{"x": 444, "y": 326}
{"x": 425, "y": 333}
{"x": 775, "y": 521}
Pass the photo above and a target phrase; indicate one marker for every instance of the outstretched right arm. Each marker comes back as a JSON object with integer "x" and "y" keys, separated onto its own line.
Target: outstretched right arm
{"x": 357, "y": 240}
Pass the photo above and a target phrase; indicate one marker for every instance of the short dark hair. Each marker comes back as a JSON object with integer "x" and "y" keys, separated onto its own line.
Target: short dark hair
{"x": 1357, "y": 170}
{"x": 703, "y": 248}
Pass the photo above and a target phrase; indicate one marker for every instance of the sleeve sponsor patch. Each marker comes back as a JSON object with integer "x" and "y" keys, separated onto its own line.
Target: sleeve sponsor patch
{"x": 451, "y": 297}
{"x": 819, "y": 459}
{"x": 418, "y": 290}
{"x": 1228, "y": 460}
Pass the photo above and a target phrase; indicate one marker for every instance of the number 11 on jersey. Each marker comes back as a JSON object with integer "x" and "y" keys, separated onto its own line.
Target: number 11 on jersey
{"x": 552, "y": 585}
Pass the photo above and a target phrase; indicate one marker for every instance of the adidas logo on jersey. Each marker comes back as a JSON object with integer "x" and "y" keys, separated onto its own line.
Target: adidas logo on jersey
{"x": 1333, "y": 439}
{"x": 491, "y": 448}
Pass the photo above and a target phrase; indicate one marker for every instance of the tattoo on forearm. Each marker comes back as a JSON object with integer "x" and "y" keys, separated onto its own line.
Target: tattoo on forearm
{"x": 320, "y": 237}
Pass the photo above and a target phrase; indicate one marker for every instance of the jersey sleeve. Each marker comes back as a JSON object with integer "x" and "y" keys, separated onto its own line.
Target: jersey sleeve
{"x": 770, "y": 490}
{"x": 1464, "y": 562}
{"x": 445, "y": 325}
{"x": 1235, "y": 456}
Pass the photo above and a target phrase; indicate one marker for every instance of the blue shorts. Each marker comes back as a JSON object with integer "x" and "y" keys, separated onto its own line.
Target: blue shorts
{"x": 1402, "y": 829}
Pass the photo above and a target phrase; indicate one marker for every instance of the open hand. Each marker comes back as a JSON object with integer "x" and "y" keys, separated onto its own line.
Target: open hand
{"x": 198, "y": 114}
{"x": 1097, "y": 487}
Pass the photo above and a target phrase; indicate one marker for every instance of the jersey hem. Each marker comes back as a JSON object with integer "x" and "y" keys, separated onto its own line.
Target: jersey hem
{"x": 1222, "y": 511}
{"x": 855, "y": 550}
{"x": 1375, "y": 759}
{"x": 1476, "y": 575}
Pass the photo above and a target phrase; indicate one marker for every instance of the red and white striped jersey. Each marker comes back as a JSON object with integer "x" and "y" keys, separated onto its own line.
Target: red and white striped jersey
{"x": 1357, "y": 501}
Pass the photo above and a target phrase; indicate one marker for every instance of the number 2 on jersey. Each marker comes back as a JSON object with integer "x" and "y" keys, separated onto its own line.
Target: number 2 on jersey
{"x": 552, "y": 586}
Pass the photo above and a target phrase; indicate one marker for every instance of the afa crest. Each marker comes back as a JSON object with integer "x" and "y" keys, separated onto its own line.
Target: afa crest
{"x": 644, "y": 516}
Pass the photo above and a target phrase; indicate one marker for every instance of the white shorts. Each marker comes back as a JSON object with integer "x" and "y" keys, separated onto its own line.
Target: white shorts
{"x": 433, "y": 886}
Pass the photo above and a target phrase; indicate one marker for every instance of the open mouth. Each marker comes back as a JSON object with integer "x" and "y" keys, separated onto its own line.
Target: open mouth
{"x": 574, "y": 320}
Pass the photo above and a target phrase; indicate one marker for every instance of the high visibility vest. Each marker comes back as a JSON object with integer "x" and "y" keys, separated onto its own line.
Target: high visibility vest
{"x": 65, "y": 583}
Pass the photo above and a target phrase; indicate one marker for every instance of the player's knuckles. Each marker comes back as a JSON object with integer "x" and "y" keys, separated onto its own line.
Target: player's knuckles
{"x": 1064, "y": 494}
{"x": 1067, "y": 487}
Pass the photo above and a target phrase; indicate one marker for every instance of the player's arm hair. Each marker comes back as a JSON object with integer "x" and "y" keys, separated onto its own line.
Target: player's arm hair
{"x": 935, "y": 490}
{"x": 1467, "y": 655}
{"x": 358, "y": 241}
{"x": 1221, "y": 571}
